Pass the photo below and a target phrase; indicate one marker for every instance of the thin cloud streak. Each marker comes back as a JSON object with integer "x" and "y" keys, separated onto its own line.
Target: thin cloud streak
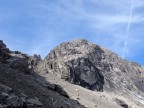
{"x": 128, "y": 28}
{"x": 107, "y": 22}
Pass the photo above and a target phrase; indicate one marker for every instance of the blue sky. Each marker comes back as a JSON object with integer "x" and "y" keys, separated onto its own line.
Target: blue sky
{"x": 37, "y": 26}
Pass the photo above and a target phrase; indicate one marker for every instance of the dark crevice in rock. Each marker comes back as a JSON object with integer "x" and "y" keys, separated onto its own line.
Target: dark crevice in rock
{"x": 121, "y": 103}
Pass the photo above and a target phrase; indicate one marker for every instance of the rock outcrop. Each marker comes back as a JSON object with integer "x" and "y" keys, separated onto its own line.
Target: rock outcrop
{"x": 91, "y": 66}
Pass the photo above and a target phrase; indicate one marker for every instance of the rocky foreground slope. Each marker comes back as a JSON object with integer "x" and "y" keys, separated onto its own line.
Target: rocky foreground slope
{"x": 29, "y": 82}
{"x": 22, "y": 87}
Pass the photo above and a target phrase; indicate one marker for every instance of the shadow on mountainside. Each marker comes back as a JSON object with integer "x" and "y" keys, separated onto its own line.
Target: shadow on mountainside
{"x": 28, "y": 87}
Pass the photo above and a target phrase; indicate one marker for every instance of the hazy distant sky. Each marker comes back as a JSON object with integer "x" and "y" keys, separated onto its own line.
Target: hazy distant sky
{"x": 37, "y": 26}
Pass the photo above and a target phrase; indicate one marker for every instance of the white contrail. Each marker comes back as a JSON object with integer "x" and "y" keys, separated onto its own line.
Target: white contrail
{"x": 128, "y": 28}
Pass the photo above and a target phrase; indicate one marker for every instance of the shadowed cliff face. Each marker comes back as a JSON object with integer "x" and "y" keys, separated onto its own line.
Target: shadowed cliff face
{"x": 91, "y": 66}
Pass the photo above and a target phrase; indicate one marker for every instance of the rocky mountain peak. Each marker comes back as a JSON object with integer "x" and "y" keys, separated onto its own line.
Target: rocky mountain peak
{"x": 75, "y": 49}
{"x": 89, "y": 65}
{"x": 79, "y": 42}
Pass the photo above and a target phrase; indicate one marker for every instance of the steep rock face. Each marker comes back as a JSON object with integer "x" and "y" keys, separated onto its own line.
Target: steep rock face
{"x": 93, "y": 67}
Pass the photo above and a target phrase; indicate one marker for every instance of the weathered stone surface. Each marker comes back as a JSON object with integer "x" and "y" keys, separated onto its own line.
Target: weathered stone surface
{"x": 14, "y": 102}
{"x": 53, "y": 87}
{"x": 34, "y": 61}
{"x": 34, "y": 103}
{"x": 10, "y": 100}
{"x": 5, "y": 88}
{"x": 20, "y": 64}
